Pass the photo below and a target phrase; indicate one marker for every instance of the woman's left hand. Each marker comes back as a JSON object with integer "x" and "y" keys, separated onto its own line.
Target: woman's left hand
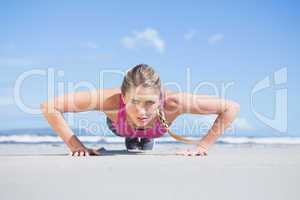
{"x": 196, "y": 151}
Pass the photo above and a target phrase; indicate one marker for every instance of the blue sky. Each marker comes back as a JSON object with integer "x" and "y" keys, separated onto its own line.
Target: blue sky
{"x": 218, "y": 42}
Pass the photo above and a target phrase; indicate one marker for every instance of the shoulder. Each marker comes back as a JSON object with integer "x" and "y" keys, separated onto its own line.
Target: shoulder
{"x": 172, "y": 102}
{"x": 110, "y": 102}
{"x": 109, "y": 98}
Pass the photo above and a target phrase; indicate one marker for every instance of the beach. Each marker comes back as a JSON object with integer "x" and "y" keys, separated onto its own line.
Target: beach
{"x": 47, "y": 171}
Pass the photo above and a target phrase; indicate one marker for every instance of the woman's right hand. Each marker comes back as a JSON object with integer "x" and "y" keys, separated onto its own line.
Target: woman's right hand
{"x": 85, "y": 152}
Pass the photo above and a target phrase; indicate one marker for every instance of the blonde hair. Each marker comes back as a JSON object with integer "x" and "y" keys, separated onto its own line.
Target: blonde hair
{"x": 145, "y": 76}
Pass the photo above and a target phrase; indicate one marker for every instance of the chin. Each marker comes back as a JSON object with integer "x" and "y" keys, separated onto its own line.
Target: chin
{"x": 139, "y": 123}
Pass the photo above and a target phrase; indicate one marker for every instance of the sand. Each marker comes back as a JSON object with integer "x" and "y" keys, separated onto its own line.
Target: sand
{"x": 228, "y": 172}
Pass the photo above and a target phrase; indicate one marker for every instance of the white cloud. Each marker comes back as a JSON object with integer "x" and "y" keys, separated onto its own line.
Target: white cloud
{"x": 215, "y": 38}
{"x": 90, "y": 45}
{"x": 148, "y": 37}
{"x": 190, "y": 35}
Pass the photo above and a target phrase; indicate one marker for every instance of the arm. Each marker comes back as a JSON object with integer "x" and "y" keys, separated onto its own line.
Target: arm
{"x": 226, "y": 110}
{"x": 73, "y": 102}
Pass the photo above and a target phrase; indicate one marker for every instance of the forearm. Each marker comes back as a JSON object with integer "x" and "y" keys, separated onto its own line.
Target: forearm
{"x": 60, "y": 126}
{"x": 219, "y": 126}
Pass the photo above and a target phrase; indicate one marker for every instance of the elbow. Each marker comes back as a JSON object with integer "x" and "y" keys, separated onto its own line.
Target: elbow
{"x": 231, "y": 107}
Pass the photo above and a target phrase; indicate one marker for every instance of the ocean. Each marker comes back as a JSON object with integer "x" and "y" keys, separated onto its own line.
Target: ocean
{"x": 47, "y": 136}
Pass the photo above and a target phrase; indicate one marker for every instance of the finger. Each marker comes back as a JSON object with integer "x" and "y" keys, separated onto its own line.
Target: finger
{"x": 200, "y": 153}
{"x": 81, "y": 153}
{"x": 195, "y": 154}
{"x": 91, "y": 152}
{"x": 187, "y": 152}
{"x": 183, "y": 152}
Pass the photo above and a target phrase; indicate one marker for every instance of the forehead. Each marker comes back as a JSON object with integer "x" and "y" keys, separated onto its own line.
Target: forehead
{"x": 143, "y": 93}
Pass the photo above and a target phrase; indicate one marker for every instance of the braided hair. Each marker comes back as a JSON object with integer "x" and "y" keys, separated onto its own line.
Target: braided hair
{"x": 164, "y": 123}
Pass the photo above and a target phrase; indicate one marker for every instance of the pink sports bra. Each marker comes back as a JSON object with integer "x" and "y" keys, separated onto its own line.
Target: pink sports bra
{"x": 125, "y": 130}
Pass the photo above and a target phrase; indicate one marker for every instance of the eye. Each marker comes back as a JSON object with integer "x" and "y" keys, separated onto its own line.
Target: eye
{"x": 134, "y": 101}
{"x": 150, "y": 103}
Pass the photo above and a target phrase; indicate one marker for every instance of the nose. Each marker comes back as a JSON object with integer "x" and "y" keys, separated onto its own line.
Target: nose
{"x": 141, "y": 110}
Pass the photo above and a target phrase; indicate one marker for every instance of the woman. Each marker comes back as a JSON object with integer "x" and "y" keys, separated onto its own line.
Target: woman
{"x": 140, "y": 111}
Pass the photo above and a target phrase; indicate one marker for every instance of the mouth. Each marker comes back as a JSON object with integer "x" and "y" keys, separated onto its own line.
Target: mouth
{"x": 143, "y": 119}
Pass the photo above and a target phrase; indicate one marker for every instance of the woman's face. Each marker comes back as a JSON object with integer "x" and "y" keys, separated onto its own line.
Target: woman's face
{"x": 142, "y": 104}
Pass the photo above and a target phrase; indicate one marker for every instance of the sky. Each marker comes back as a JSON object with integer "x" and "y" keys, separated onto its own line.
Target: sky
{"x": 250, "y": 47}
